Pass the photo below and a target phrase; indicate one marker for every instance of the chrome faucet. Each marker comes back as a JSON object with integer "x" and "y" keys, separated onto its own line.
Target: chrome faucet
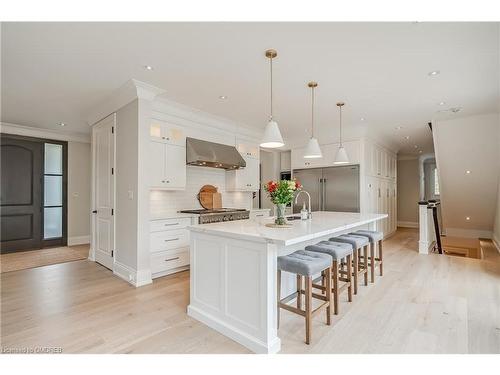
{"x": 309, "y": 213}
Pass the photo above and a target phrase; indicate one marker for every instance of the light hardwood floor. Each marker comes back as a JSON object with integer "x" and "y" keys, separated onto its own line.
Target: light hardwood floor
{"x": 422, "y": 304}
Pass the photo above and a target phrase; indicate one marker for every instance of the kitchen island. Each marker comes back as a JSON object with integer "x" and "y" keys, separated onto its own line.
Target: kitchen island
{"x": 233, "y": 271}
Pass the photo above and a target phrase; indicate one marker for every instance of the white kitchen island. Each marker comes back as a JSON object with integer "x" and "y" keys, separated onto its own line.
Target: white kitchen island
{"x": 233, "y": 271}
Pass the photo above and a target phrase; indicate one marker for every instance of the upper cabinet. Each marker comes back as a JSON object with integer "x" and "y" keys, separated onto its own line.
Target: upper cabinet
{"x": 285, "y": 161}
{"x": 248, "y": 149}
{"x": 329, "y": 152}
{"x": 161, "y": 131}
{"x": 167, "y": 156}
{"x": 248, "y": 178}
{"x": 380, "y": 162}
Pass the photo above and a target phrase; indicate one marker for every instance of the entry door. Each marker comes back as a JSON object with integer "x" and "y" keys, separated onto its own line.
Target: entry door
{"x": 20, "y": 195}
{"x": 103, "y": 145}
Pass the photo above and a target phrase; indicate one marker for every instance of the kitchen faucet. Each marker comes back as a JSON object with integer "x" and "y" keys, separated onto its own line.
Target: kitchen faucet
{"x": 309, "y": 213}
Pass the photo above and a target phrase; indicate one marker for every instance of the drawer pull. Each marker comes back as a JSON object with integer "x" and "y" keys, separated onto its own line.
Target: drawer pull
{"x": 259, "y": 215}
{"x": 168, "y": 225}
{"x": 171, "y": 259}
{"x": 172, "y": 239}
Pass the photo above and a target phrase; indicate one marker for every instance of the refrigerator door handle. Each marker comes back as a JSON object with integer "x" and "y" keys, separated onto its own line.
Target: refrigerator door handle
{"x": 324, "y": 194}
{"x": 320, "y": 194}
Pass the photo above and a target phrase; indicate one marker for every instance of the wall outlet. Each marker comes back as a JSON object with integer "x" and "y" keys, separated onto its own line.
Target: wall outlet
{"x": 130, "y": 194}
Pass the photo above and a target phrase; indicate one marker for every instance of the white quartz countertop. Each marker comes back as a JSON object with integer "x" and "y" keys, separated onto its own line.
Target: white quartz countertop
{"x": 322, "y": 224}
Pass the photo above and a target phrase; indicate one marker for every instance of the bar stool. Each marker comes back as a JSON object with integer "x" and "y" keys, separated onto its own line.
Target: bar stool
{"x": 374, "y": 238}
{"x": 337, "y": 251}
{"x": 306, "y": 264}
{"x": 359, "y": 244}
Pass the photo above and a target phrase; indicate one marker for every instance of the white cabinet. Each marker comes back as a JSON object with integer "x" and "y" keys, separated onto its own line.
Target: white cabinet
{"x": 161, "y": 131}
{"x": 167, "y": 166}
{"x": 169, "y": 246}
{"x": 244, "y": 179}
{"x": 248, "y": 149}
{"x": 285, "y": 161}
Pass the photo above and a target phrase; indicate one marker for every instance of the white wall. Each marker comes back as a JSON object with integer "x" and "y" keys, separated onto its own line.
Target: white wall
{"x": 469, "y": 143}
{"x": 496, "y": 227}
{"x": 408, "y": 192}
{"x": 126, "y": 180}
{"x": 79, "y": 160}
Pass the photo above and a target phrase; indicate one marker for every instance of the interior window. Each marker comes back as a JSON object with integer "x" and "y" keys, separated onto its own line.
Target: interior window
{"x": 436, "y": 182}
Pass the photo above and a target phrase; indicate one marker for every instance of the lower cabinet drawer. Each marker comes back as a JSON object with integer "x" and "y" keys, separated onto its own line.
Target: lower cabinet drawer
{"x": 167, "y": 240}
{"x": 167, "y": 260}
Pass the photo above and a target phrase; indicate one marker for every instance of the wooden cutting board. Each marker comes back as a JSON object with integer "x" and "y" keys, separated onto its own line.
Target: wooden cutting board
{"x": 217, "y": 200}
{"x": 206, "y": 196}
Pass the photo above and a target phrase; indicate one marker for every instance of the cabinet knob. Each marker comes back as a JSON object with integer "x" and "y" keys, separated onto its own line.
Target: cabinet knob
{"x": 162, "y": 181}
{"x": 168, "y": 181}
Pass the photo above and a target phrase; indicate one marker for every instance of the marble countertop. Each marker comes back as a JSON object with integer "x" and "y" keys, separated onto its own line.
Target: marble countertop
{"x": 322, "y": 224}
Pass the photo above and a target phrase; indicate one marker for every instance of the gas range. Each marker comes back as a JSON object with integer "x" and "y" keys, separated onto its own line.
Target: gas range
{"x": 217, "y": 215}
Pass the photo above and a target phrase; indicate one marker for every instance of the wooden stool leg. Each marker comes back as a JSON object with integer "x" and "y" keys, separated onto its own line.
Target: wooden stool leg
{"x": 355, "y": 271}
{"x": 299, "y": 292}
{"x": 372, "y": 262}
{"x": 365, "y": 263}
{"x": 308, "y": 308}
{"x": 349, "y": 277}
{"x": 335, "y": 278}
{"x": 381, "y": 257}
{"x": 278, "y": 292}
{"x": 329, "y": 296}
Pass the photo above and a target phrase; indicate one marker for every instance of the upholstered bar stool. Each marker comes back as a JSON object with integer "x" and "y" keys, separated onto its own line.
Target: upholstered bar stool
{"x": 305, "y": 264}
{"x": 375, "y": 239}
{"x": 360, "y": 251}
{"x": 337, "y": 251}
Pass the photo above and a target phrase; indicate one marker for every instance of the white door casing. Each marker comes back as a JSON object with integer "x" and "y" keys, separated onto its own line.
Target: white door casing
{"x": 103, "y": 190}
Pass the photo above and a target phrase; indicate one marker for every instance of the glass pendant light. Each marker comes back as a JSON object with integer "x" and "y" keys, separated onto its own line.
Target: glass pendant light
{"x": 341, "y": 157}
{"x": 272, "y": 135}
{"x": 313, "y": 150}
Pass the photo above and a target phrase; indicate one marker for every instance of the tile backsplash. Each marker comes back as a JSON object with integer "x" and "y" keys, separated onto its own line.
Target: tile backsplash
{"x": 164, "y": 200}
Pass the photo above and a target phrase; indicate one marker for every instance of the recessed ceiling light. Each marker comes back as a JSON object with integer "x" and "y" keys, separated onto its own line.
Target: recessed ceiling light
{"x": 148, "y": 67}
{"x": 398, "y": 127}
{"x": 223, "y": 97}
{"x": 420, "y": 151}
{"x": 407, "y": 137}
{"x": 468, "y": 172}
{"x": 442, "y": 103}
{"x": 467, "y": 218}
{"x": 415, "y": 146}
{"x": 434, "y": 73}
{"x": 362, "y": 119}
{"x": 62, "y": 124}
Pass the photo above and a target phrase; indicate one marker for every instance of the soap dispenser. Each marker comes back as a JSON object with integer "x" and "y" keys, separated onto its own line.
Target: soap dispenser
{"x": 303, "y": 212}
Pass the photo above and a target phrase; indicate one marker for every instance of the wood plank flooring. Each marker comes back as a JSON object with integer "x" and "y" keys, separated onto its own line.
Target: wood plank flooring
{"x": 422, "y": 304}
{"x": 43, "y": 257}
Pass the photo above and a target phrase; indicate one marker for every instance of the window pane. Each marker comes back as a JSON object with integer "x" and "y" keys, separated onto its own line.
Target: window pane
{"x": 53, "y": 158}
{"x": 53, "y": 191}
{"x": 52, "y": 222}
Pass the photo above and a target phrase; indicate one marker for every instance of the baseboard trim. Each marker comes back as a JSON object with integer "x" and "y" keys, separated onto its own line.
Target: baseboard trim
{"x": 133, "y": 277}
{"x": 469, "y": 233}
{"x": 407, "y": 224}
{"x": 78, "y": 240}
{"x": 496, "y": 242}
{"x": 255, "y": 345}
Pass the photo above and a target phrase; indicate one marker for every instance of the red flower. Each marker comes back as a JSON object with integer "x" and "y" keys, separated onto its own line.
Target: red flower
{"x": 271, "y": 186}
{"x": 297, "y": 185}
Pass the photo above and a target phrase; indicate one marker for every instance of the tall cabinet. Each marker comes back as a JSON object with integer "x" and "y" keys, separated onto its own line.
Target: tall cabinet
{"x": 380, "y": 183}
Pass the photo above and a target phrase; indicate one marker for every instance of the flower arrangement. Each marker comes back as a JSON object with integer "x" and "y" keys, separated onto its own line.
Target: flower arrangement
{"x": 281, "y": 194}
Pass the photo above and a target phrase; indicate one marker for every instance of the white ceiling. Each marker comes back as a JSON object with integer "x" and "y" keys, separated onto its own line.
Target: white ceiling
{"x": 58, "y": 72}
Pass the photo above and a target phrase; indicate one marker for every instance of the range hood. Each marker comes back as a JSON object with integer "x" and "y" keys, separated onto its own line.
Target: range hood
{"x": 214, "y": 155}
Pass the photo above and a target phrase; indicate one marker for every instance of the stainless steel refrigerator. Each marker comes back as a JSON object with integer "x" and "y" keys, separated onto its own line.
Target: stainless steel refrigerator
{"x": 331, "y": 189}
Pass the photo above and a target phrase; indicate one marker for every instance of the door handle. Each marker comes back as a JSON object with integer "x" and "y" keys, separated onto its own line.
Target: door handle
{"x": 172, "y": 239}
{"x": 171, "y": 259}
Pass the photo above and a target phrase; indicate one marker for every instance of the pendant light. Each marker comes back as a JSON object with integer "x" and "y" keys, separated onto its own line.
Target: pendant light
{"x": 313, "y": 150}
{"x": 272, "y": 135}
{"x": 341, "y": 157}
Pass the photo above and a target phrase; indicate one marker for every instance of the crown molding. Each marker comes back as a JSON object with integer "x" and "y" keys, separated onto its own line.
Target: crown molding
{"x": 30, "y": 131}
{"x": 131, "y": 90}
